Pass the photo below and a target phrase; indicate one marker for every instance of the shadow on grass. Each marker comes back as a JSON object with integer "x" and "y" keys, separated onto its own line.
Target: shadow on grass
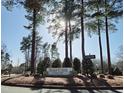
{"x": 86, "y": 83}
{"x": 85, "y": 80}
{"x": 100, "y": 82}
{"x": 38, "y": 83}
{"x": 71, "y": 82}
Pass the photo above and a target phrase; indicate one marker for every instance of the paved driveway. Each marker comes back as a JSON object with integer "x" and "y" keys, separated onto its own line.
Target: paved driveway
{"x": 7, "y": 89}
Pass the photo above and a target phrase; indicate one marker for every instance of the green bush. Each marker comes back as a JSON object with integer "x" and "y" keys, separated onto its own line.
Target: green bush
{"x": 26, "y": 75}
{"x": 76, "y": 65}
{"x": 36, "y": 76}
{"x": 110, "y": 77}
{"x": 93, "y": 76}
{"x": 88, "y": 67}
{"x": 43, "y": 65}
{"x": 116, "y": 71}
{"x": 67, "y": 63}
{"x": 56, "y": 63}
{"x": 102, "y": 76}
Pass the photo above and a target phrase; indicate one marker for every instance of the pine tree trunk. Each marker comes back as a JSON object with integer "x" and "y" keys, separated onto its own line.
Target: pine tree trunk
{"x": 66, "y": 32}
{"x": 107, "y": 41}
{"x": 100, "y": 47}
{"x": 66, "y": 41}
{"x": 70, "y": 41}
{"x": 28, "y": 58}
{"x": 25, "y": 60}
{"x": 108, "y": 47}
{"x": 82, "y": 31}
{"x": 82, "y": 35}
{"x": 33, "y": 43}
{"x": 100, "y": 43}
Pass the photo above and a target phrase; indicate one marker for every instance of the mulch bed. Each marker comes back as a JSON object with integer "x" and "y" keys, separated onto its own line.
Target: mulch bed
{"x": 81, "y": 81}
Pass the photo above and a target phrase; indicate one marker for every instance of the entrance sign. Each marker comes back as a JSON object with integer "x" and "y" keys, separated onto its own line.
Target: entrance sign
{"x": 59, "y": 71}
{"x": 90, "y": 57}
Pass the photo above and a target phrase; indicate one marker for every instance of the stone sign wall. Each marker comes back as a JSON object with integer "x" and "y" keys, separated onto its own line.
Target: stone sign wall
{"x": 59, "y": 71}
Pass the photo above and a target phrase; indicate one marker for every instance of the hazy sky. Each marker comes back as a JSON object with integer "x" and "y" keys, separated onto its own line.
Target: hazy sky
{"x": 13, "y": 31}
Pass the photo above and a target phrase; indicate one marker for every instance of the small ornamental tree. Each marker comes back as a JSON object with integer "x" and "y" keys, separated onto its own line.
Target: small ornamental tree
{"x": 47, "y": 62}
{"x": 56, "y": 63}
{"x": 67, "y": 63}
{"x": 43, "y": 65}
{"x": 88, "y": 67}
{"x": 40, "y": 67}
{"x": 76, "y": 65}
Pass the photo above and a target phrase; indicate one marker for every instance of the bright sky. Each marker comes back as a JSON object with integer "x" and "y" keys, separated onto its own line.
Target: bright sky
{"x": 12, "y": 31}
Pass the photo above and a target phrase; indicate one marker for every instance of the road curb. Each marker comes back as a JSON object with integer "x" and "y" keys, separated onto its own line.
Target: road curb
{"x": 62, "y": 87}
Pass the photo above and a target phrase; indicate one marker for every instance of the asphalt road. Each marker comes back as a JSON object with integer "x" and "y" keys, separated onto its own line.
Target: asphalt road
{"x": 8, "y": 89}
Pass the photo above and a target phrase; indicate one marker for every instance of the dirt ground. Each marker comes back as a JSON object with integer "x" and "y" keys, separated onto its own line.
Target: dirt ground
{"x": 71, "y": 81}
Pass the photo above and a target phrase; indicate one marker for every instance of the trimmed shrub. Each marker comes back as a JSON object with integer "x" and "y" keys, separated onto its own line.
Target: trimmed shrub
{"x": 43, "y": 65}
{"x": 110, "y": 77}
{"x": 40, "y": 67}
{"x": 26, "y": 75}
{"x": 56, "y": 63}
{"x": 67, "y": 63}
{"x": 36, "y": 76}
{"x": 93, "y": 76}
{"x": 102, "y": 76}
{"x": 77, "y": 65}
{"x": 88, "y": 67}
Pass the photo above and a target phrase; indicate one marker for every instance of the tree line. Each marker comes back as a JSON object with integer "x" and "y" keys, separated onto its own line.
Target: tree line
{"x": 6, "y": 62}
{"x": 91, "y": 16}
{"x": 43, "y": 50}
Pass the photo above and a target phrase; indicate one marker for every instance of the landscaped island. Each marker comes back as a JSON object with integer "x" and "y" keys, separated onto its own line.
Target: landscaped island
{"x": 79, "y": 81}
